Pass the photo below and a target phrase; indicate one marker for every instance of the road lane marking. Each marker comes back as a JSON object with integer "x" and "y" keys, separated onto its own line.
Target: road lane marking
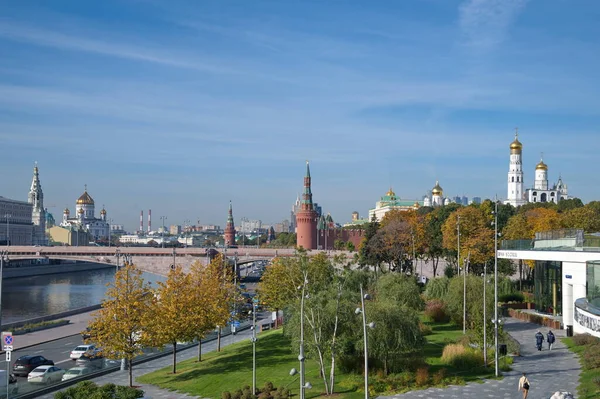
{"x": 38, "y": 351}
{"x": 66, "y": 352}
{"x": 63, "y": 361}
{"x": 70, "y": 343}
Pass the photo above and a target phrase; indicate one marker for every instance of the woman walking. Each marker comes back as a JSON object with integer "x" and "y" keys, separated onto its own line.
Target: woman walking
{"x": 524, "y": 386}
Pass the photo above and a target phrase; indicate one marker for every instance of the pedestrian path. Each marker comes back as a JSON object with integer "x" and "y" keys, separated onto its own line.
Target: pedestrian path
{"x": 547, "y": 371}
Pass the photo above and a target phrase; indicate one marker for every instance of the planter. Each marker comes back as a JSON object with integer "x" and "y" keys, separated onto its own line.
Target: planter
{"x": 40, "y": 328}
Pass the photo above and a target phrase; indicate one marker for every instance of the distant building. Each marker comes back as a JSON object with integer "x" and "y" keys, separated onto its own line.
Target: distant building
{"x": 86, "y": 219}
{"x": 248, "y": 226}
{"x": 391, "y": 202}
{"x": 175, "y": 229}
{"x": 38, "y": 215}
{"x": 356, "y": 220}
{"x": 283, "y": 227}
{"x": 16, "y": 226}
{"x": 229, "y": 234}
{"x": 117, "y": 230}
{"x": 436, "y": 197}
{"x": 306, "y": 217}
{"x": 70, "y": 235}
{"x": 477, "y": 200}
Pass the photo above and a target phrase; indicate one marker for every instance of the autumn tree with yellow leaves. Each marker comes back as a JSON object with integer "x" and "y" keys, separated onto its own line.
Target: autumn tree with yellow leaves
{"x": 476, "y": 234}
{"x": 121, "y": 326}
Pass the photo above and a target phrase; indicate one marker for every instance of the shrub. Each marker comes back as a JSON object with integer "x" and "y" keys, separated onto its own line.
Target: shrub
{"x": 422, "y": 377}
{"x": 505, "y": 287}
{"x": 596, "y": 381}
{"x": 438, "y": 377}
{"x": 585, "y": 339}
{"x": 449, "y": 271}
{"x": 591, "y": 357}
{"x": 513, "y": 297}
{"x": 265, "y": 395}
{"x": 379, "y": 386}
{"x": 268, "y": 387}
{"x": 436, "y": 288}
{"x": 237, "y": 394}
{"x": 435, "y": 310}
{"x": 461, "y": 358}
{"x": 425, "y": 329}
{"x": 226, "y": 395}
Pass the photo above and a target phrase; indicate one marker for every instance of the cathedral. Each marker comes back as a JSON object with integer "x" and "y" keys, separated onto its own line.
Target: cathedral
{"x": 85, "y": 217}
{"x": 541, "y": 191}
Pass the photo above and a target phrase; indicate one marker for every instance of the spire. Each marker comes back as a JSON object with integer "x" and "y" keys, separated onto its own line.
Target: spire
{"x": 36, "y": 196}
{"x": 230, "y": 215}
{"x": 307, "y": 203}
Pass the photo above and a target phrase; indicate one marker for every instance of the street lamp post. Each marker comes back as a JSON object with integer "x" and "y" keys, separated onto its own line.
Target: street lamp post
{"x": 301, "y": 357}
{"x": 364, "y": 297}
{"x": 466, "y": 264}
{"x": 163, "y": 218}
{"x": 3, "y": 255}
{"x": 458, "y": 244}
{"x": 496, "y": 287}
{"x": 253, "y": 339}
{"x": 484, "y": 315}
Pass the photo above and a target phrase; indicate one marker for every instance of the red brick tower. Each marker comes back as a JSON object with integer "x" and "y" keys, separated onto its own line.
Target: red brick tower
{"x": 230, "y": 229}
{"x": 306, "y": 218}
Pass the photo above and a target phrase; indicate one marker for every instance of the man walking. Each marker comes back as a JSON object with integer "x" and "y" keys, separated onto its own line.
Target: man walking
{"x": 539, "y": 339}
{"x": 551, "y": 338}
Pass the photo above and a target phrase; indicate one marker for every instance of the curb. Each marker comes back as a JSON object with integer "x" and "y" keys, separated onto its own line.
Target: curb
{"x": 42, "y": 342}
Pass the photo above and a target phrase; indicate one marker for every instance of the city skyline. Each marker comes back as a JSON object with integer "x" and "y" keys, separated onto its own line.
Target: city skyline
{"x": 181, "y": 109}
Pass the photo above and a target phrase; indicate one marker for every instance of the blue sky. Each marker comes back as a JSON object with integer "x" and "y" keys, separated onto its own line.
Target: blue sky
{"x": 181, "y": 106}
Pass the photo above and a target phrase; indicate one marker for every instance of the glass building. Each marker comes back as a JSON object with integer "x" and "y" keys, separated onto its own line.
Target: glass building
{"x": 548, "y": 287}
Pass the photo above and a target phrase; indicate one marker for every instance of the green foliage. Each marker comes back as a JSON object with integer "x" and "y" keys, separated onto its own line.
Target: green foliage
{"x": 568, "y": 204}
{"x": 591, "y": 357}
{"x": 514, "y": 297}
{"x": 401, "y": 289}
{"x": 437, "y": 288}
{"x": 435, "y": 310}
{"x": 226, "y": 395}
{"x": 506, "y": 267}
{"x": 506, "y": 286}
{"x": 461, "y": 357}
{"x": 88, "y": 389}
{"x": 449, "y": 271}
{"x": 585, "y": 339}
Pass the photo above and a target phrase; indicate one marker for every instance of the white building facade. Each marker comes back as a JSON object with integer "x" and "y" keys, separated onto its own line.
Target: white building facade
{"x": 16, "y": 227}
{"x": 38, "y": 215}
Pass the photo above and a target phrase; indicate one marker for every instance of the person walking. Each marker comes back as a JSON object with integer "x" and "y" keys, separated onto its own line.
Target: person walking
{"x": 551, "y": 338}
{"x": 524, "y": 386}
{"x": 539, "y": 340}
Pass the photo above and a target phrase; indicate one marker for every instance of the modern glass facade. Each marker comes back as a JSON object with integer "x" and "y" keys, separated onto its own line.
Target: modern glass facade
{"x": 548, "y": 287}
{"x": 593, "y": 283}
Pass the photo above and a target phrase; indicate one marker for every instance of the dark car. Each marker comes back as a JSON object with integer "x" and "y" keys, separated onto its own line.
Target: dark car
{"x": 25, "y": 364}
{"x": 90, "y": 360}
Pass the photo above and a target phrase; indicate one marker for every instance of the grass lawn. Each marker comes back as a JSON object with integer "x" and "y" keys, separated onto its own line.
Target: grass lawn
{"x": 231, "y": 369}
{"x": 443, "y": 334}
{"x": 587, "y": 388}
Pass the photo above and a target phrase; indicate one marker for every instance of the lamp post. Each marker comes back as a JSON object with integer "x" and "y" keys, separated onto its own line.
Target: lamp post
{"x": 253, "y": 339}
{"x": 301, "y": 357}
{"x": 109, "y": 231}
{"x": 3, "y": 256}
{"x": 496, "y": 322}
{"x": 364, "y": 297}
{"x": 466, "y": 261}
{"x": 458, "y": 244}
{"x": 484, "y": 315}
{"x": 163, "y": 218}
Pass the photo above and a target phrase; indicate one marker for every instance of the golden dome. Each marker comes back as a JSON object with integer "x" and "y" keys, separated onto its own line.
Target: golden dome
{"x": 391, "y": 193}
{"x": 516, "y": 144}
{"x": 66, "y": 211}
{"x": 85, "y": 199}
{"x": 541, "y": 166}
{"x": 103, "y": 211}
{"x": 437, "y": 190}
{"x": 416, "y": 205}
{"x": 80, "y": 211}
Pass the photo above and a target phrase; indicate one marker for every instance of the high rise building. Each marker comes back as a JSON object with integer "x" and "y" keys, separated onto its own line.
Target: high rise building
{"x": 306, "y": 218}
{"x": 38, "y": 215}
{"x": 230, "y": 229}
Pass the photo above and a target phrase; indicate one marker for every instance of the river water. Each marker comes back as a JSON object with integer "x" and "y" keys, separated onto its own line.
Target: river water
{"x": 29, "y": 297}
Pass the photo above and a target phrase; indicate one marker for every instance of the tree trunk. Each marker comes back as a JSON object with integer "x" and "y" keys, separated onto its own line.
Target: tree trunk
{"x": 312, "y": 324}
{"x": 520, "y": 274}
{"x": 435, "y": 262}
{"x": 385, "y": 366}
{"x": 333, "y": 339}
{"x": 199, "y": 349}
{"x": 219, "y": 339}
{"x": 276, "y": 317}
{"x": 130, "y": 372}
{"x": 174, "y": 357}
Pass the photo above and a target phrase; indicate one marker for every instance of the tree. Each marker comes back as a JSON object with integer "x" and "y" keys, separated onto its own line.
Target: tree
{"x": 171, "y": 318}
{"x": 88, "y": 389}
{"x": 433, "y": 237}
{"x": 476, "y": 235}
{"x": 121, "y": 326}
{"x": 402, "y": 290}
{"x": 569, "y": 204}
{"x": 367, "y": 255}
{"x": 585, "y": 218}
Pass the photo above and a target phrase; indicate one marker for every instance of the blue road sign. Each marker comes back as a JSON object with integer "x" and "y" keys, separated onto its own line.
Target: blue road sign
{"x": 236, "y": 324}
{"x": 8, "y": 340}
{"x": 255, "y": 300}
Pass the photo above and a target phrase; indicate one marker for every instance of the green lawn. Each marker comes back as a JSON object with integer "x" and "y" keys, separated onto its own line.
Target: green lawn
{"x": 587, "y": 388}
{"x": 231, "y": 369}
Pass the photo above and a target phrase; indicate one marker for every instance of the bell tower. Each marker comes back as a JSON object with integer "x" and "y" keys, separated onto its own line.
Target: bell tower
{"x": 230, "y": 229}
{"x": 515, "y": 195}
{"x": 306, "y": 218}
{"x": 36, "y": 198}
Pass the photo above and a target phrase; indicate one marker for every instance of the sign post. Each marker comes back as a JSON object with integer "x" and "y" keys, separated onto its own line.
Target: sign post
{"x": 7, "y": 345}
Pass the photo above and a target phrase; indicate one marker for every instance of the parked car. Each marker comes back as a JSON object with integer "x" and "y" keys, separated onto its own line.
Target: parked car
{"x": 45, "y": 374}
{"x": 75, "y": 372}
{"x": 25, "y": 364}
{"x": 81, "y": 349}
{"x": 90, "y": 360}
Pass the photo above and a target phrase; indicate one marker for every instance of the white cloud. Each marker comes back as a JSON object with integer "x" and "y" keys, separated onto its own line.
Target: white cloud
{"x": 485, "y": 22}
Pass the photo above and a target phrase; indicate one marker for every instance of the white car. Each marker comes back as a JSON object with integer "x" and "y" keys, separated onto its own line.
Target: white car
{"x": 45, "y": 374}
{"x": 75, "y": 372}
{"x": 81, "y": 349}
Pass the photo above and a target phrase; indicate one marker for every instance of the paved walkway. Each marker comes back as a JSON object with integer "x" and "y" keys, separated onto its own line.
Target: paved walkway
{"x": 548, "y": 371}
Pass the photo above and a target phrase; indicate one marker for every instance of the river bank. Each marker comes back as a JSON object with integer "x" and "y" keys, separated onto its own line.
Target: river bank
{"x": 40, "y": 270}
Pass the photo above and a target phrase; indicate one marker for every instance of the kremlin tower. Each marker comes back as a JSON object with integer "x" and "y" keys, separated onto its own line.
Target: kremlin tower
{"x": 230, "y": 229}
{"x": 306, "y": 218}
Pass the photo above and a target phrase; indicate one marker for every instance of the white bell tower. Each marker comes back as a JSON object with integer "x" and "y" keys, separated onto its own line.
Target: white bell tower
{"x": 516, "y": 194}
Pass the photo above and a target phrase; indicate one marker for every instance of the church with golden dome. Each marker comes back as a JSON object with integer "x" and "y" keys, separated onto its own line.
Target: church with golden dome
{"x": 541, "y": 191}
{"x": 85, "y": 217}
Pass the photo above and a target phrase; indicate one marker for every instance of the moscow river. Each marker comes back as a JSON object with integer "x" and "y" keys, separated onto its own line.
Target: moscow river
{"x": 29, "y": 297}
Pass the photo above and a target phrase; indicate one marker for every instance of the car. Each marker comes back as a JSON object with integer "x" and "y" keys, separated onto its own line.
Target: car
{"x": 81, "y": 349}
{"x": 75, "y": 372}
{"x": 45, "y": 374}
{"x": 25, "y": 364}
{"x": 86, "y": 334}
{"x": 90, "y": 360}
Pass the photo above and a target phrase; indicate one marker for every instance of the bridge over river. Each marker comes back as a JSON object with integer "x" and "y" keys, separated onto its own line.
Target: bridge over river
{"x": 157, "y": 260}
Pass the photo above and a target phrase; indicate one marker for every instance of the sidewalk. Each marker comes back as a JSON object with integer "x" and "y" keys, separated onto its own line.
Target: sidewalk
{"x": 548, "y": 371}
{"x": 77, "y": 324}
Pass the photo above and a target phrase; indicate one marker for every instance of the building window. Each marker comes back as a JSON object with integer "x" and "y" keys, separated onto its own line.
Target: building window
{"x": 517, "y": 179}
{"x": 512, "y": 179}
{"x": 547, "y": 280}
{"x": 543, "y": 197}
{"x": 552, "y": 194}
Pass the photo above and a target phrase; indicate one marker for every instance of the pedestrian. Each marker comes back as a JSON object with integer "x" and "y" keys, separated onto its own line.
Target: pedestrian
{"x": 551, "y": 338}
{"x": 524, "y": 386}
{"x": 539, "y": 339}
